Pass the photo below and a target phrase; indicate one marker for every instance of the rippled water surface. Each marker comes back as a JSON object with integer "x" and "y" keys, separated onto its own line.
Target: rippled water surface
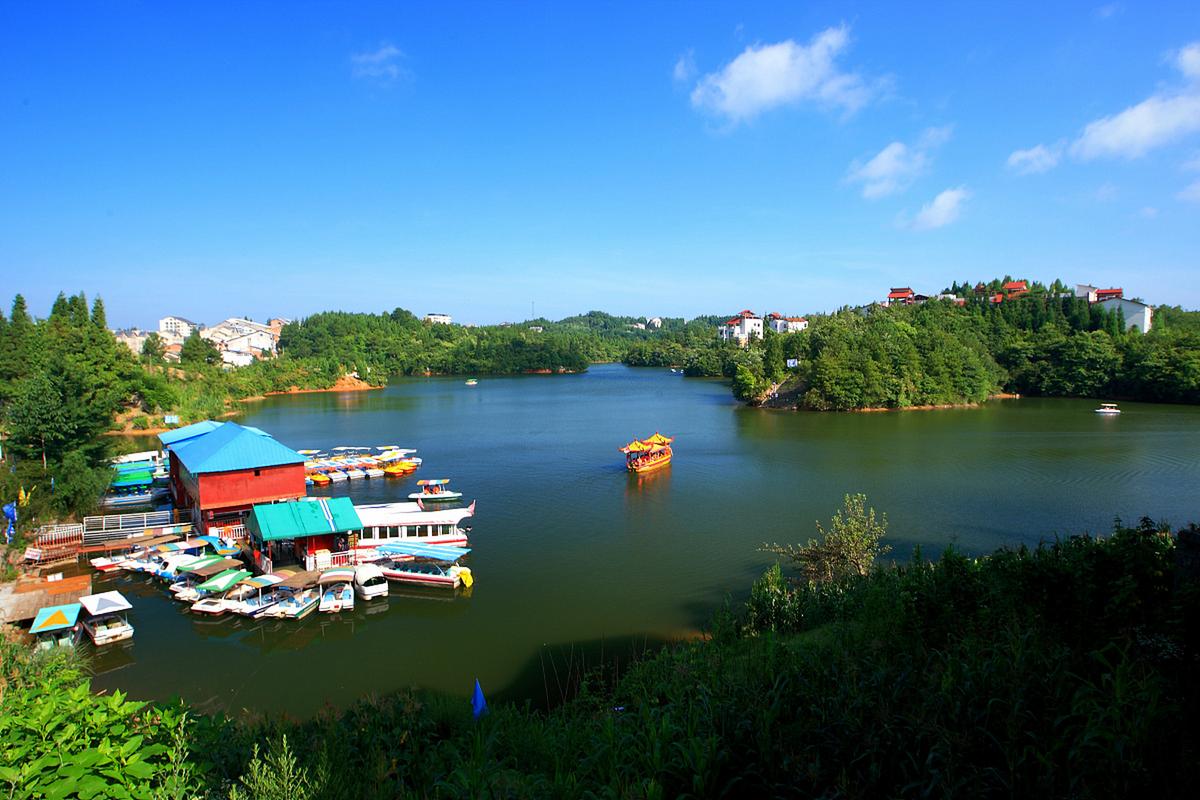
{"x": 573, "y": 556}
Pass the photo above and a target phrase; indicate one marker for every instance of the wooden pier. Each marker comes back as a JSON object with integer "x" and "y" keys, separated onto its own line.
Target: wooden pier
{"x": 21, "y": 600}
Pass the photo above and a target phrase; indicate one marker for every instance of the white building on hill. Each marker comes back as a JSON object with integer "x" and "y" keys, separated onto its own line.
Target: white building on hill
{"x": 782, "y": 324}
{"x": 1137, "y": 315}
{"x": 742, "y": 328}
{"x": 176, "y": 329}
{"x": 439, "y": 319}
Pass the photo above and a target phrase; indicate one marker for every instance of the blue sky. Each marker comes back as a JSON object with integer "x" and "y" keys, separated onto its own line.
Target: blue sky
{"x": 212, "y": 159}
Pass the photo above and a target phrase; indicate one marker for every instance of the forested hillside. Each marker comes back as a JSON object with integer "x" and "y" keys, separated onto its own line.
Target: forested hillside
{"x": 939, "y": 353}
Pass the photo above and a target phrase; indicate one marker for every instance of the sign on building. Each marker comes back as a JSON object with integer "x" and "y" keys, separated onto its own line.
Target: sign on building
{"x": 793, "y": 363}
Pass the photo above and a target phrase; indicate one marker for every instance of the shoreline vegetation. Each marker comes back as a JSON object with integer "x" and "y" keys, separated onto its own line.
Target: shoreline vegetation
{"x": 1062, "y": 670}
{"x": 65, "y": 381}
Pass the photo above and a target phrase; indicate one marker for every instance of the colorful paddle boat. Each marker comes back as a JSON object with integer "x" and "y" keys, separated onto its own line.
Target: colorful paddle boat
{"x": 436, "y": 565}
{"x": 435, "y": 491}
{"x": 337, "y": 592}
{"x": 56, "y": 626}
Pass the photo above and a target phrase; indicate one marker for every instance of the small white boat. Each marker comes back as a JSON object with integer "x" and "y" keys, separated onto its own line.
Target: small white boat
{"x": 435, "y": 491}
{"x": 427, "y": 573}
{"x": 214, "y": 592}
{"x": 295, "y": 604}
{"x": 337, "y": 592}
{"x": 471, "y": 382}
{"x": 336, "y": 476}
{"x": 370, "y": 582}
{"x": 375, "y": 472}
{"x": 1108, "y": 408}
{"x": 106, "y": 621}
{"x": 249, "y": 599}
{"x": 354, "y": 473}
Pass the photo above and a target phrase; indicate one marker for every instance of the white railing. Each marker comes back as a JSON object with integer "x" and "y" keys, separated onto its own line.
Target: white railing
{"x": 346, "y": 559}
{"x": 100, "y": 537}
{"x": 60, "y": 535}
{"x": 233, "y": 533}
{"x": 121, "y": 522}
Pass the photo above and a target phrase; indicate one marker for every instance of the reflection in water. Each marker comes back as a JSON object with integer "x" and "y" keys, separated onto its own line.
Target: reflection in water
{"x": 567, "y": 547}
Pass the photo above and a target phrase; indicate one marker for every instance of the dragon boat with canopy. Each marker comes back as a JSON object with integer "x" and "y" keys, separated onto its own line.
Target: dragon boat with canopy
{"x": 644, "y": 455}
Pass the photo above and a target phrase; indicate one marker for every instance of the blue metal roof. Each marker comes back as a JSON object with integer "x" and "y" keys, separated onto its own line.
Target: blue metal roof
{"x": 436, "y": 552}
{"x": 188, "y": 432}
{"x": 229, "y": 447}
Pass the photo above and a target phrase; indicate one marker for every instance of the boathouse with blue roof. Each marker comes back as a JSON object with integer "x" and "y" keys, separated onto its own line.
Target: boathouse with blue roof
{"x": 220, "y": 470}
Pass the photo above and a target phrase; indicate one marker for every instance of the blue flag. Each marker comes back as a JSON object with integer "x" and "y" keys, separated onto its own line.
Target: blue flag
{"x": 10, "y": 511}
{"x": 478, "y": 703}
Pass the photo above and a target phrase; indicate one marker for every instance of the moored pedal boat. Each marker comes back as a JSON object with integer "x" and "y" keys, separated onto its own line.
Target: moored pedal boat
{"x": 337, "y": 592}
{"x": 107, "y": 620}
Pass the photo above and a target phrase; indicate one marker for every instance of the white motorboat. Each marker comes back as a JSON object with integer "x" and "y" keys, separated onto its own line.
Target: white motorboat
{"x": 370, "y": 582}
{"x": 1108, "y": 408}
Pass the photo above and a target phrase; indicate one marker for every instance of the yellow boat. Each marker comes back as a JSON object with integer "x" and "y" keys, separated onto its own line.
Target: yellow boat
{"x": 644, "y": 455}
{"x": 319, "y": 478}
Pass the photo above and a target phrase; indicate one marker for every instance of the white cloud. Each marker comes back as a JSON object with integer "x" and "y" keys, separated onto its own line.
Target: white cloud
{"x": 1192, "y": 164}
{"x": 1160, "y": 119}
{"x": 944, "y": 209}
{"x": 896, "y": 166}
{"x": 1108, "y": 10}
{"x": 1190, "y": 193}
{"x": 1149, "y": 212}
{"x": 1036, "y": 159}
{"x": 1105, "y": 193}
{"x": 382, "y": 64}
{"x": 1188, "y": 61}
{"x": 685, "y": 68}
{"x": 766, "y": 76}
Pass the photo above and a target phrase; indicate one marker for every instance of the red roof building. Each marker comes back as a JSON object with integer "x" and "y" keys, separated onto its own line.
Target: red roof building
{"x": 221, "y": 470}
{"x": 1109, "y": 294}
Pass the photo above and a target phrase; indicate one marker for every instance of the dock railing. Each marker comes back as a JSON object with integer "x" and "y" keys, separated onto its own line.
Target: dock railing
{"x": 99, "y": 537}
{"x": 346, "y": 559}
{"x": 64, "y": 535}
{"x": 232, "y": 533}
{"x": 126, "y": 522}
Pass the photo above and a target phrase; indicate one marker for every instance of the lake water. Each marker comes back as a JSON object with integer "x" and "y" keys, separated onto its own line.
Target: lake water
{"x": 573, "y": 556}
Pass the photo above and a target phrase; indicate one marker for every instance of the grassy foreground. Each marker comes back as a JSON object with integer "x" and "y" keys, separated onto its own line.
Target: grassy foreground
{"x": 1069, "y": 671}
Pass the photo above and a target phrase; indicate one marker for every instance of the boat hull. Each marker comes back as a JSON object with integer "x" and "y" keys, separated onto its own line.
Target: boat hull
{"x": 641, "y": 468}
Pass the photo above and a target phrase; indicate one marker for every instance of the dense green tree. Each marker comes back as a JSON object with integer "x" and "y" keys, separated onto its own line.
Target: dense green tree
{"x": 197, "y": 350}
{"x": 153, "y": 348}
{"x": 99, "y": 318}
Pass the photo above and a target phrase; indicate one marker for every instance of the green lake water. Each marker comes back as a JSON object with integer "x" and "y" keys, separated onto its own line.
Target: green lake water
{"x": 576, "y": 560}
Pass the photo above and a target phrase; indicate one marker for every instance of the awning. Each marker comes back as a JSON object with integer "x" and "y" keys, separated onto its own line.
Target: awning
{"x": 54, "y": 618}
{"x": 300, "y": 580}
{"x": 105, "y": 603}
{"x": 338, "y": 575}
{"x": 224, "y": 581}
{"x": 263, "y": 581}
{"x": 176, "y": 547}
{"x": 213, "y": 567}
{"x": 435, "y": 552}
{"x": 433, "y": 482}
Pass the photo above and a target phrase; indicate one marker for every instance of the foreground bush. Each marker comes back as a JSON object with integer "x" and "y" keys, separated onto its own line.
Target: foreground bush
{"x": 1066, "y": 670}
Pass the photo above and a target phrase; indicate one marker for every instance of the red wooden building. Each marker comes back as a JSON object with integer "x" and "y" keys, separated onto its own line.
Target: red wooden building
{"x": 221, "y": 470}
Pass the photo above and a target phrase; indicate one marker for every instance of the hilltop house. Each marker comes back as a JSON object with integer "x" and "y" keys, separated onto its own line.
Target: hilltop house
{"x": 439, "y": 319}
{"x": 1137, "y": 315}
{"x": 782, "y": 324}
{"x": 901, "y": 295}
{"x": 176, "y": 329}
{"x": 654, "y": 322}
{"x": 742, "y": 328}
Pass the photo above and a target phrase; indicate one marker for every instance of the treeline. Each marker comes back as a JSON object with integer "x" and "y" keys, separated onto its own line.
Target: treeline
{"x": 62, "y": 380}
{"x": 1062, "y": 671}
{"x": 1047, "y": 343}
